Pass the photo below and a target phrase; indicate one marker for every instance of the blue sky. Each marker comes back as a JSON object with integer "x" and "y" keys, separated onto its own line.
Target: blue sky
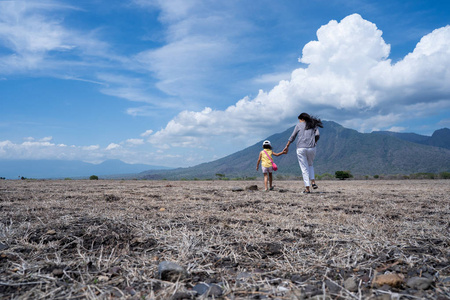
{"x": 181, "y": 82}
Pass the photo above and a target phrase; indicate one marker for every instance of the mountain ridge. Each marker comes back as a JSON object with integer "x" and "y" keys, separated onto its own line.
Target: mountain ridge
{"x": 339, "y": 148}
{"x": 439, "y": 138}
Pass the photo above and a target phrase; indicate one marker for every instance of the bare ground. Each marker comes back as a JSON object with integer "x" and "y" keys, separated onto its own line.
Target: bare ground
{"x": 105, "y": 239}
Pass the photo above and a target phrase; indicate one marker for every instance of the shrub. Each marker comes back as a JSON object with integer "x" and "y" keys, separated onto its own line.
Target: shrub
{"x": 376, "y": 176}
{"x": 343, "y": 175}
{"x": 93, "y": 177}
{"x": 325, "y": 176}
{"x": 423, "y": 175}
{"x": 445, "y": 175}
{"x": 220, "y": 176}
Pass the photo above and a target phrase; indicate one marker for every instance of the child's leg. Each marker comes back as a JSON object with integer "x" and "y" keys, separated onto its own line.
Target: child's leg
{"x": 265, "y": 181}
{"x": 270, "y": 180}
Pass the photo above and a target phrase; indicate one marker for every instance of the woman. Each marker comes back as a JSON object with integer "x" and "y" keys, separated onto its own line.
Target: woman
{"x": 308, "y": 134}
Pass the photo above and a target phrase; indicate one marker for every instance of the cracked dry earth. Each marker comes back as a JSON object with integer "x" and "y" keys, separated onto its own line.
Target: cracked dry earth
{"x": 77, "y": 239}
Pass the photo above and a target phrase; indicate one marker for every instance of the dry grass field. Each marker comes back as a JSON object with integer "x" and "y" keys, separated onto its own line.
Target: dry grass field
{"x": 106, "y": 239}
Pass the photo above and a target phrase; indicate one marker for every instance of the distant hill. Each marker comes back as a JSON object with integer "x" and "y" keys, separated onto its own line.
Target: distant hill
{"x": 440, "y": 138}
{"x": 339, "y": 148}
{"x": 13, "y": 169}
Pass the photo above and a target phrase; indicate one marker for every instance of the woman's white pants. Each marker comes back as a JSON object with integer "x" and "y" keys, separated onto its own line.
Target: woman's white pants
{"x": 305, "y": 160}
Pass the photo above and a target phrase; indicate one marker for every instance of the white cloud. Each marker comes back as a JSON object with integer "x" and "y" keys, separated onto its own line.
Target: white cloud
{"x": 422, "y": 76}
{"x": 35, "y": 150}
{"x": 44, "y": 149}
{"x": 184, "y": 65}
{"x": 200, "y": 38}
{"x": 272, "y": 78}
{"x": 38, "y": 41}
{"x": 444, "y": 123}
{"x": 397, "y": 129}
{"x": 91, "y": 148}
{"x": 373, "y": 122}
{"x": 348, "y": 73}
{"x": 112, "y": 146}
{"x": 135, "y": 142}
{"x": 147, "y": 133}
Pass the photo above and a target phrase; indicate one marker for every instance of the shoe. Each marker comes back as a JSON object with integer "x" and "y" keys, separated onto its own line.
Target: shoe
{"x": 271, "y": 188}
{"x": 306, "y": 192}
{"x": 315, "y": 186}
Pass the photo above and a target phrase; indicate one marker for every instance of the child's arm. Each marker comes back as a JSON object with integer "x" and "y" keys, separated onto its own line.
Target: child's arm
{"x": 259, "y": 160}
{"x": 278, "y": 154}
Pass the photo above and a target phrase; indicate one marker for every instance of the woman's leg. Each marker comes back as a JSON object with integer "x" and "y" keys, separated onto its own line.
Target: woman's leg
{"x": 311, "y": 154}
{"x": 303, "y": 162}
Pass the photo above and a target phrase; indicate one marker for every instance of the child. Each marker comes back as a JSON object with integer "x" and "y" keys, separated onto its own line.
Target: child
{"x": 266, "y": 163}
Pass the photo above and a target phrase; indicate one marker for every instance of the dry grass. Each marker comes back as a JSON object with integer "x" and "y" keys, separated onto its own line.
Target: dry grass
{"x": 105, "y": 239}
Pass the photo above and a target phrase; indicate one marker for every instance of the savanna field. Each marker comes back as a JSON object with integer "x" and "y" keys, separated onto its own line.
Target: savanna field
{"x": 106, "y": 239}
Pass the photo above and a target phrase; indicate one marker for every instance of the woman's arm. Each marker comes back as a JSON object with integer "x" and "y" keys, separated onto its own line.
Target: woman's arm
{"x": 286, "y": 149}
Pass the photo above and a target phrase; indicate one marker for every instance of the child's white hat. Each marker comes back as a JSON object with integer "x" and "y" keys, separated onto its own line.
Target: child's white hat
{"x": 266, "y": 142}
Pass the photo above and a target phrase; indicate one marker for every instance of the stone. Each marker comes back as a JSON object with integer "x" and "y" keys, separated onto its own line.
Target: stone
{"x": 332, "y": 287}
{"x": 3, "y": 246}
{"x": 130, "y": 290}
{"x": 114, "y": 270}
{"x": 212, "y": 290}
{"x": 282, "y": 289}
{"x": 383, "y": 297}
{"x": 111, "y": 198}
{"x": 201, "y": 288}
{"x": 310, "y": 290}
{"x": 252, "y": 188}
{"x": 102, "y": 278}
{"x": 237, "y": 189}
{"x": 298, "y": 278}
{"x": 170, "y": 271}
{"x": 243, "y": 276}
{"x": 182, "y": 296}
{"x": 419, "y": 283}
{"x": 51, "y": 232}
{"x": 350, "y": 285}
{"x": 57, "y": 272}
{"x": 393, "y": 280}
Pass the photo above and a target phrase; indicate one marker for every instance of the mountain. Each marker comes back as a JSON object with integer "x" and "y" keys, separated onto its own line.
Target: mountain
{"x": 339, "y": 148}
{"x": 12, "y": 169}
{"x": 440, "y": 138}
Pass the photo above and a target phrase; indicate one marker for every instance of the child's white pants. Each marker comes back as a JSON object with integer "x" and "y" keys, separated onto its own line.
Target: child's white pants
{"x": 305, "y": 158}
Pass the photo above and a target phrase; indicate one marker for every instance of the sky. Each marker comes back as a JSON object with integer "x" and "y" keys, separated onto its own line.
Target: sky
{"x": 177, "y": 83}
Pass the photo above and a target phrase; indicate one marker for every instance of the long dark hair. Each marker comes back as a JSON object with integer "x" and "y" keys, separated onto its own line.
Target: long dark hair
{"x": 311, "y": 122}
